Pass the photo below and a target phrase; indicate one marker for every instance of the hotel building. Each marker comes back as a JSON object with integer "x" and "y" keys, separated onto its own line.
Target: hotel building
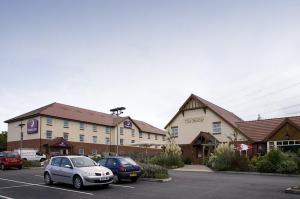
{"x": 64, "y": 129}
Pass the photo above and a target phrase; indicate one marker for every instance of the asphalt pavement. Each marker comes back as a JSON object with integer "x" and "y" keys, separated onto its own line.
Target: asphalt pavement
{"x": 28, "y": 184}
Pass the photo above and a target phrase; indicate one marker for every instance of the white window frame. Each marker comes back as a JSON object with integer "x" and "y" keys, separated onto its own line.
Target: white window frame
{"x": 49, "y": 121}
{"x": 107, "y": 130}
{"x": 81, "y": 151}
{"x": 149, "y": 136}
{"x": 121, "y": 131}
{"x": 94, "y": 128}
{"x": 95, "y": 141}
{"x": 121, "y": 143}
{"x": 66, "y": 123}
{"x": 174, "y": 131}
{"x": 132, "y": 133}
{"x": 140, "y": 134}
{"x": 132, "y": 141}
{"x": 216, "y": 128}
{"x": 49, "y": 137}
{"x": 156, "y": 137}
{"x": 81, "y": 136}
{"x": 65, "y": 133}
{"x": 81, "y": 125}
{"x": 107, "y": 140}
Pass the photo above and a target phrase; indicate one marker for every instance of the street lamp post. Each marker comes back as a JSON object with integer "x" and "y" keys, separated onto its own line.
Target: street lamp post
{"x": 117, "y": 111}
{"x": 21, "y": 138}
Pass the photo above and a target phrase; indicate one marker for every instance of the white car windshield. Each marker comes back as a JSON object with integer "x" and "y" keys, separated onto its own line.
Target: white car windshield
{"x": 82, "y": 162}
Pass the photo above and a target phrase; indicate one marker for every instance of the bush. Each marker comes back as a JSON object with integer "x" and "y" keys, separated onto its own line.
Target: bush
{"x": 153, "y": 171}
{"x": 287, "y": 166}
{"x": 223, "y": 157}
{"x": 276, "y": 156}
{"x": 265, "y": 165}
{"x": 167, "y": 160}
{"x": 27, "y": 163}
{"x": 187, "y": 161}
{"x": 241, "y": 163}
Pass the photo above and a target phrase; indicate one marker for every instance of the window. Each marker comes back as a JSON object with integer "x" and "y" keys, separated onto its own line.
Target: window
{"x": 121, "y": 141}
{"x": 102, "y": 162}
{"x": 132, "y": 141}
{"x": 163, "y": 138}
{"x": 81, "y": 126}
{"x": 66, "y": 136}
{"x": 94, "y": 152}
{"x": 49, "y": 121}
{"x": 216, "y": 127}
{"x": 140, "y": 134}
{"x": 94, "y": 127}
{"x": 56, "y": 162}
{"x": 174, "y": 132}
{"x": 65, "y": 162}
{"x": 94, "y": 139}
{"x": 107, "y": 140}
{"x": 107, "y": 130}
{"x": 111, "y": 162}
{"x": 149, "y": 136}
{"x": 155, "y": 137}
{"x": 81, "y": 138}
{"x": 48, "y": 134}
{"x": 132, "y": 133}
{"x": 121, "y": 131}
{"x": 81, "y": 151}
{"x": 66, "y": 124}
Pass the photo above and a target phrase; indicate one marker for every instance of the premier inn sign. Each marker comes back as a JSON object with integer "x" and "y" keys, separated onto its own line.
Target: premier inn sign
{"x": 32, "y": 126}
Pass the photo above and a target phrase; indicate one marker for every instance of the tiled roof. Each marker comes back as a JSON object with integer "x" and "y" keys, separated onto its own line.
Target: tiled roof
{"x": 259, "y": 130}
{"x": 224, "y": 114}
{"x": 84, "y": 115}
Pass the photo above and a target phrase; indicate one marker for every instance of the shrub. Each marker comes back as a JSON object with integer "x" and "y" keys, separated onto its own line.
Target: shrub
{"x": 265, "y": 165}
{"x": 167, "y": 160}
{"x": 276, "y": 156}
{"x": 223, "y": 157}
{"x": 241, "y": 163}
{"x": 187, "y": 161}
{"x": 153, "y": 171}
{"x": 287, "y": 166}
{"x": 27, "y": 163}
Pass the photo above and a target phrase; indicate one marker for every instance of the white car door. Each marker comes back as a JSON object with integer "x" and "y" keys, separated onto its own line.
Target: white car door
{"x": 66, "y": 171}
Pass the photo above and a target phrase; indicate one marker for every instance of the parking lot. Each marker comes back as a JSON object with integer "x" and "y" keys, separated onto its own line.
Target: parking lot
{"x": 28, "y": 184}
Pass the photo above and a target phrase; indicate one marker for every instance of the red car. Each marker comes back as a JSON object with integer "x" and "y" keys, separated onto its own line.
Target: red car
{"x": 10, "y": 159}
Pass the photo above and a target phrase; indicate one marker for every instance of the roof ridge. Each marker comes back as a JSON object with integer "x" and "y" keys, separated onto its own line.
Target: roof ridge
{"x": 270, "y": 119}
{"x": 86, "y": 109}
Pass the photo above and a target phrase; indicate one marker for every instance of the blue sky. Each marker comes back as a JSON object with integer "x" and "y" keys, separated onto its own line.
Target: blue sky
{"x": 149, "y": 56}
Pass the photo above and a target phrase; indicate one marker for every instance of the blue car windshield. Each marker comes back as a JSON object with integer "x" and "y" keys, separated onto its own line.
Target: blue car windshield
{"x": 82, "y": 162}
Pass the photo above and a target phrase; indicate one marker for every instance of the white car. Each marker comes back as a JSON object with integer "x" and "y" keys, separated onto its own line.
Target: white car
{"x": 77, "y": 170}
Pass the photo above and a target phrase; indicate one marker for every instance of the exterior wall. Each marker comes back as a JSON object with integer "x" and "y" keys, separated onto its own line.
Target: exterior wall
{"x": 74, "y": 131}
{"x": 14, "y": 131}
{"x": 88, "y": 147}
{"x": 292, "y": 132}
{"x": 192, "y": 122}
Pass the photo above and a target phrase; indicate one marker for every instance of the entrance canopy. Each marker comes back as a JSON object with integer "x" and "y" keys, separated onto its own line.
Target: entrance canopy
{"x": 205, "y": 139}
{"x": 59, "y": 142}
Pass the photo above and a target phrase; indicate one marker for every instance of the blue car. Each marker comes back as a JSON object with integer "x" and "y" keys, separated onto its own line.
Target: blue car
{"x": 122, "y": 168}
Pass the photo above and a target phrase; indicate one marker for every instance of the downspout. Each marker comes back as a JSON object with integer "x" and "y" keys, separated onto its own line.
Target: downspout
{"x": 40, "y": 133}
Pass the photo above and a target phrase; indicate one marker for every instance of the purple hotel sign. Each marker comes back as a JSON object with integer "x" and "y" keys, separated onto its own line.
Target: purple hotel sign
{"x": 32, "y": 126}
{"x": 127, "y": 124}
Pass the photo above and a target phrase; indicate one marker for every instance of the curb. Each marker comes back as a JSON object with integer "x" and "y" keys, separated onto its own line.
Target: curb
{"x": 293, "y": 190}
{"x": 156, "y": 180}
{"x": 257, "y": 173}
{"x": 206, "y": 171}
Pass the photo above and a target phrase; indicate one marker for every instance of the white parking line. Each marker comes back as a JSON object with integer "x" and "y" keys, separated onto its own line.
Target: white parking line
{"x": 124, "y": 186}
{"x": 25, "y": 185}
{"x": 5, "y": 197}
{"x": 49, "y": 187}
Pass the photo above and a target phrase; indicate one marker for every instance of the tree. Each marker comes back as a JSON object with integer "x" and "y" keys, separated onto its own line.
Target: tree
{"x": 3, "y": 140}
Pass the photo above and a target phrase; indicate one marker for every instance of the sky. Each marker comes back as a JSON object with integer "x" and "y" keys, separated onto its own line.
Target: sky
{"x": 149, "y": 56}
